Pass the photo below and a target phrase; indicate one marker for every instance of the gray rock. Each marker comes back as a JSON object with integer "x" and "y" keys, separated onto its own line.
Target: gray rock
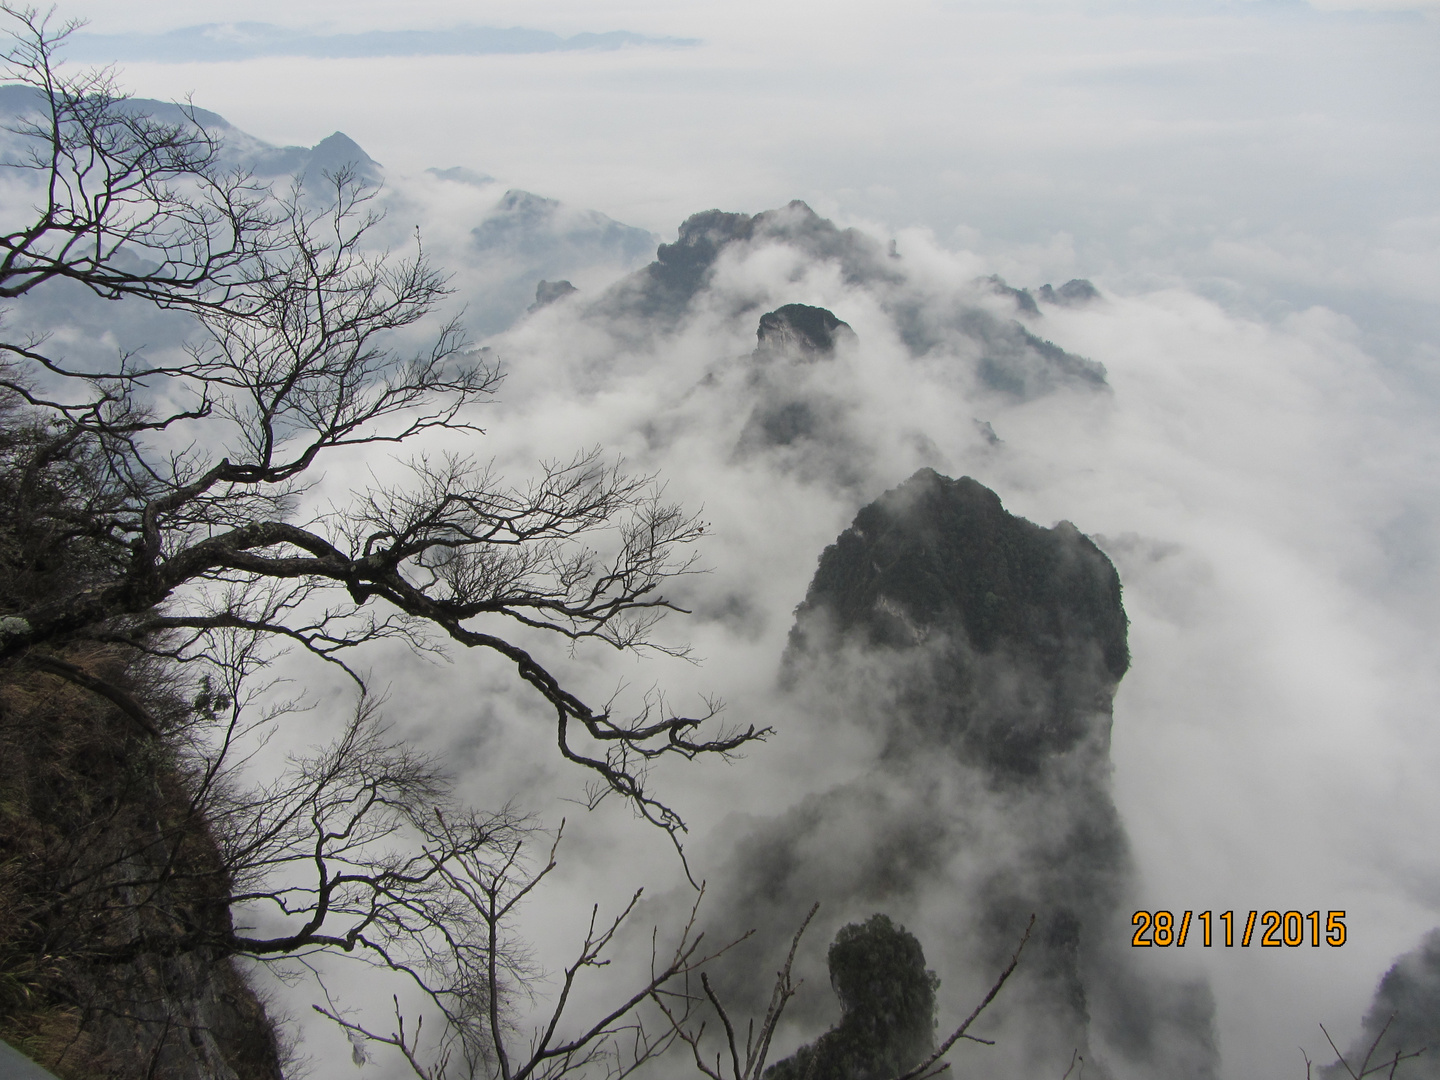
{"x": 547, "y": 292}
{"x": 664, "y": 289}
{"x": 1074, "y": 293}
{"x": 801, "y": 333}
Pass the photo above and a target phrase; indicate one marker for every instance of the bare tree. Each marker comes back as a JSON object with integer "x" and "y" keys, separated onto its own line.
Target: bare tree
{"x": 194, "y": 467}
{"x": 151, "y": 517}
{"x": 127, "y": 205}
{"x": 471, "y": 970}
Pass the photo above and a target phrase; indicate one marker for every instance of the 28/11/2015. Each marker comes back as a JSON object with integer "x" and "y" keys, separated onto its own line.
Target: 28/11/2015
{"x": 1277, "y": 928}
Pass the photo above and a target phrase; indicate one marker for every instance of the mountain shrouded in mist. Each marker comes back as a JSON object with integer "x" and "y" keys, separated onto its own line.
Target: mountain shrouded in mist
{"x": 1404, "y": 1018}
{"x": 938, "y": 557}
{"x": 984, "y": 651}
{"x": 1015, "y": 362}
{"x": 980, "y": 651}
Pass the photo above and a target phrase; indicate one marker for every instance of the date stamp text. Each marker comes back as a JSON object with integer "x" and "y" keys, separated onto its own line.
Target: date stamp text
{"x": 1268, "y": 929}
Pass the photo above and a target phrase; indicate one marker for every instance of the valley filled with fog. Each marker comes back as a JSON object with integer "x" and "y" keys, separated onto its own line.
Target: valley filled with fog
{"x": 1168, "y": 273}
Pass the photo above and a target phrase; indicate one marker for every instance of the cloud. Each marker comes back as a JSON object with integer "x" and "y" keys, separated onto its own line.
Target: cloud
{"x": 1253, "y": 480}
{"x": 1261, "y": 487}
{"x": 1260, "y": 463}
{"x": 238, "y": 41}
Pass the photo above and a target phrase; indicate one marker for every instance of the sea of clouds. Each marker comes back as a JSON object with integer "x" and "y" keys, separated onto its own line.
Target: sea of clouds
{"x": 1252, "y": 189}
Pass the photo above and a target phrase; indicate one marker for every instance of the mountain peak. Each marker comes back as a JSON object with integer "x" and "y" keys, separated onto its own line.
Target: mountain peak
{"x": 937, "y": 559}
{"x": 338, "y": 152}
{"x": 802, "y": 332}
{"x": 949, "y": 550}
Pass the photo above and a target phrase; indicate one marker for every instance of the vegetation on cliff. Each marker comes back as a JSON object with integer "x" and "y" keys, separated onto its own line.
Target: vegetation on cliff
{"x": 887, "y": 1001}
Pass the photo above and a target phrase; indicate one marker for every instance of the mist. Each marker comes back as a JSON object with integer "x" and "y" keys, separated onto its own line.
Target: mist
{"x": 1268, "y": 706}
{"x": 1251, "y": 189}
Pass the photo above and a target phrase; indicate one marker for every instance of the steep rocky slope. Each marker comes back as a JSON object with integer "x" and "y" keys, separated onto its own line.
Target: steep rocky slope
{"x": 100, "y": 850}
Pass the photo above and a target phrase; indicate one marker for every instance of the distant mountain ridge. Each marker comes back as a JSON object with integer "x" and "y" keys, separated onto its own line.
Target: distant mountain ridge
{"x": 522, "y": 239}
{"x": 240, "y": 149}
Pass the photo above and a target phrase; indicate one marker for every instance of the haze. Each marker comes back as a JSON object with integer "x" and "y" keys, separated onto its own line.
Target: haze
{"x": 1254, "y": 186}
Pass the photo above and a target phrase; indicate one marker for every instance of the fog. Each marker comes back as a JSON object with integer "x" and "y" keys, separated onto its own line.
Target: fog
{"x": 1265, "y": 731}
{"x": 1252, "y": 189}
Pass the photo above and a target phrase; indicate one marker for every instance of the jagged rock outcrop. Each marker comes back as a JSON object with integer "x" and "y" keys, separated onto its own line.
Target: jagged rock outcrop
{"x": 663, "y": 290}
{"x": 940, "y": 560}
{"x": 887, "y": 1002}
{"x": 547, "y": 292}
{"x": 1074, "y": 293}
{"x": 794, "y": 406}
{"x": 982, "y": 653}
{"x": 800, "y": 333}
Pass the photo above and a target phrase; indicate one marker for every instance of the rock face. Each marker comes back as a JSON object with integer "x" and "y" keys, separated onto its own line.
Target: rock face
{"x": 800, "y": 332}
{"x": 981, "y": 653}
{"x": 100, "y": 817}
{"x": 939, "y": 560}
{"x": 115, "y": 889}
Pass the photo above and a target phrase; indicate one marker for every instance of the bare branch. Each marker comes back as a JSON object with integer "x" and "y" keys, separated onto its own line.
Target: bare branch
{"x": 114, "y": 694}
{"x": 298, "y": 313}
{"x": 757, "y": 1048}
{"x": 961, "y": 1032}
{"x": 1365, "y": 1068}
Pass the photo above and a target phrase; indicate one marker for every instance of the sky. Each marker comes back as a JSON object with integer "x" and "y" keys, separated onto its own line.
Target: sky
{"x": 1252, "y": 185}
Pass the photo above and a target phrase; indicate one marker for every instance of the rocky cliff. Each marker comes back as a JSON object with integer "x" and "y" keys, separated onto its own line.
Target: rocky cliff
{"x": 100, "y": 849}
{"x": 113, "y": 891}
